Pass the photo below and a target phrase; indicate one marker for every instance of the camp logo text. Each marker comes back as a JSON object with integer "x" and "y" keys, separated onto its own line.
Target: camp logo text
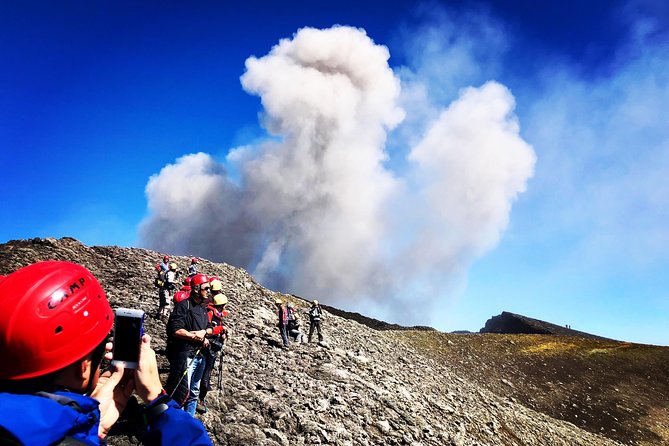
{"x": 60, "y": 296}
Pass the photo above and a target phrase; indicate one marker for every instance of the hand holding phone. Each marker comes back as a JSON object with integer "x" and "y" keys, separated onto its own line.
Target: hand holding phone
{"x": 128, "y": 331}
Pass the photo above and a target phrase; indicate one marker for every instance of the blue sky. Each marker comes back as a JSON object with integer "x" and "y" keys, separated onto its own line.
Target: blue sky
{"x": 97, "y": 98}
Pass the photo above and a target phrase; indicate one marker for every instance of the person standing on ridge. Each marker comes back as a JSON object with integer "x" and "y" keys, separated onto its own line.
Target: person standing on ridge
{"x": 58, "y": 395}
{"x": 315, "y": 313}
{"x": 217, "y": 334}
{"x": 192, "y": 268}
{"x": 283, "y": 321}
{"x": 186, "y": 341}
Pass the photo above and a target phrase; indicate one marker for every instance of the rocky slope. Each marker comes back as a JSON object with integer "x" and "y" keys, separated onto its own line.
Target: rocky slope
{"x": 362, "y": 387}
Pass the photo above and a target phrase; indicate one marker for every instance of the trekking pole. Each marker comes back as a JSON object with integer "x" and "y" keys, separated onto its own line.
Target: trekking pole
{"x": 220, "y": 368}
{"x": 188, "y": 364}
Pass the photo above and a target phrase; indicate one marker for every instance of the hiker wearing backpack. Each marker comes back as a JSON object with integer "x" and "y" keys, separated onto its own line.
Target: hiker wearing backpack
{"x": 166, "y": 263}
{"x": 59, "y": 395}
{"x": 217, "y": 334}
{"x": 186, "y": 342}
{"x": 192, "y": 268}
{"x": 283, "y": 321}
{"x": 293, "y": 324}
{"x": 315, "y": 313}
{"x": 168, "y": 284}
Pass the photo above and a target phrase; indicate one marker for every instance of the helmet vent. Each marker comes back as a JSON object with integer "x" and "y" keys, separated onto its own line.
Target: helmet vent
{"x": 58, "y": 329}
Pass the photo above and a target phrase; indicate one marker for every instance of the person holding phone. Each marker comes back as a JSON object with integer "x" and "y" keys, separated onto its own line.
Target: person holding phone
{"x": 51, "y": 365}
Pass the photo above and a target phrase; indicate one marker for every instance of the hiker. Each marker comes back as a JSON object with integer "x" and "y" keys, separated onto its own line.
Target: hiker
{"x": 58, "y": 394}
{"x": 217, "y": 334}
{"x": 283, "y": 321}
{"x": 165, "y": 266}
{"x": 186, "y": 341}
{"x": 168, "y": 285}
{"x": 192, "y": 268}
{"x": 293, "y": 326}
{"x": 315, "y": 313}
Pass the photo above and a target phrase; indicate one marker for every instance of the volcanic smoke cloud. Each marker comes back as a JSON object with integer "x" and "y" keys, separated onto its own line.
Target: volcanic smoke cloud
{"x": 321, "y": 209}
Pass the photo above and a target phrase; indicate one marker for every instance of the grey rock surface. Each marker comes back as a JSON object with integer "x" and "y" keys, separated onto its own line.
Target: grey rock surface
{"x": 359, "y": 387}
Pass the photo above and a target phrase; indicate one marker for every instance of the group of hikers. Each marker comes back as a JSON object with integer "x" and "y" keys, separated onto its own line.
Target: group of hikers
{"x": 289, "y": 322}
{"x": 55, "y": 322}
{"x": 196, "y": 334}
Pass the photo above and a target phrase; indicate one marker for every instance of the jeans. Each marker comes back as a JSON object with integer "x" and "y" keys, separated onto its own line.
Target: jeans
{"x": 284, "y": 335}
{"x": 194, "y": 377}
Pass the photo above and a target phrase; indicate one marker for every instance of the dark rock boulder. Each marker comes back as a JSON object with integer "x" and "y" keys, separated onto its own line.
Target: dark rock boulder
{"x": 511, "y": 323}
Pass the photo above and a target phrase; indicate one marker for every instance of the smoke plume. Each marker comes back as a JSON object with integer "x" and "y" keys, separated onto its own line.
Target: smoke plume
{"x": 322, "y": 209}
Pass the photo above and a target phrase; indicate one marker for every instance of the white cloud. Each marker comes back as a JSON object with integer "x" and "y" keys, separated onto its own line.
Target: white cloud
{"x": 318, "y": 211}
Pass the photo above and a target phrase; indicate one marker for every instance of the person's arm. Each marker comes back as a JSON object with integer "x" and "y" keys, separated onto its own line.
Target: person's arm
{"x": 166, "y": 424}
{"x": 179, "y": 317}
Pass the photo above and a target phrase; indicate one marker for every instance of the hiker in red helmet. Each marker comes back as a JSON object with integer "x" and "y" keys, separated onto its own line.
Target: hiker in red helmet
{"x": 165, "y": 266}
{"x": 186, "y": 341}
{"x": 51, "y": 365}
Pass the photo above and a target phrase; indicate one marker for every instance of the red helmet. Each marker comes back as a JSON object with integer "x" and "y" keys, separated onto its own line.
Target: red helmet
{"x": 212, "y": 278}
{"x": 198, "y": 280}
{"x": 179, "y": 296}
{"x": 157, "y": 267}
{"x": 166, "y": 259}
{"x": 194, "y": 260}
{"x": 51, "y": 314}
{"x": 187, "y": 281}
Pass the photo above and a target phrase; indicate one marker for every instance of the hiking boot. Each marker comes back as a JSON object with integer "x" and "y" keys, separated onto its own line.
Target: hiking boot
{"x": 201, "y": 407}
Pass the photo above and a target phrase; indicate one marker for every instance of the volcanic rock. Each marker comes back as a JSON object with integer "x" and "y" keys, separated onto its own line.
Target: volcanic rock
{"x": 367, "y": 387}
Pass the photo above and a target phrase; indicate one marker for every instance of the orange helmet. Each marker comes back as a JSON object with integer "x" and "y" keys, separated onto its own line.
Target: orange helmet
{"x": 51, "y": 314}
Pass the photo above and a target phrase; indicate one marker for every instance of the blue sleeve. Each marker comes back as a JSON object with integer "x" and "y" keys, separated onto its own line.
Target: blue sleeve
{"x": 175, "y": 427}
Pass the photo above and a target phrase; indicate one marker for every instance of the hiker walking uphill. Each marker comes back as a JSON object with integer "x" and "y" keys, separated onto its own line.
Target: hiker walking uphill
{"x": 192, "y": 268}
{"x": 167, "y": 285}
{"x": 283, "y": 321}
{"x": 60, "y": 396}
{"x": 166, "y": 263}
{"x": 186, "y": 341}
{"x": 217, "y": 334}
{"x": 315, "y": 313}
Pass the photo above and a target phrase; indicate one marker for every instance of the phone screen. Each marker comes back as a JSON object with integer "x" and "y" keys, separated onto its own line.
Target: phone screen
{"x": 127, "y": 337}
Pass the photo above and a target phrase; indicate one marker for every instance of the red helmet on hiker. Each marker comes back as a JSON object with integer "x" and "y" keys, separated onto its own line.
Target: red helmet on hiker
{"x": 193, "y": 260}
{"x": 187, "y": 281}
{"x": 166, "y": 259}
{"x": 51, "y": 314}
{"x": 198, "y": 280}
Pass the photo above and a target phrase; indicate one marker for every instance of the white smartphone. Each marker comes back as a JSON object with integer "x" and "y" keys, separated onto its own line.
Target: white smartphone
{"x": 128, "y": 331}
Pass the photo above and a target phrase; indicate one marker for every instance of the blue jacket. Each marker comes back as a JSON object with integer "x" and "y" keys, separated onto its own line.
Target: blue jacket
{"x": 41, "y": 420}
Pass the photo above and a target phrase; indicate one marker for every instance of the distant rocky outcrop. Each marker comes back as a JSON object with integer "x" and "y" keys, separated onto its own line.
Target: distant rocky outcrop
{"x": 368, "y": 321}
{"x": 360, "y": 387}
{"x": 511, "y": 323}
